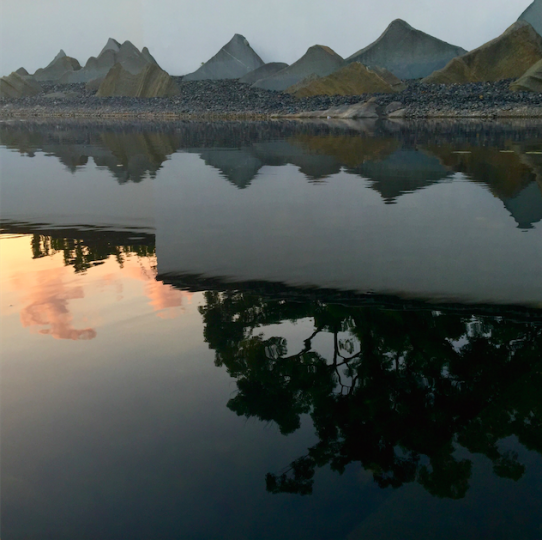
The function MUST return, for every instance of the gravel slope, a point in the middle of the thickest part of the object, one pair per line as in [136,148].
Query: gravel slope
[231,98]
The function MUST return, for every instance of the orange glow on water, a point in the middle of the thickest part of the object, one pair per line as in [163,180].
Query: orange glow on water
[52,300]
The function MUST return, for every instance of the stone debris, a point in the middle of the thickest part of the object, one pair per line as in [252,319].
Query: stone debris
[505,57]
[234,60]
[235,100]
[406,52]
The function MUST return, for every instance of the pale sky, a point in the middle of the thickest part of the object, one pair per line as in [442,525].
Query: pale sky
[181,34]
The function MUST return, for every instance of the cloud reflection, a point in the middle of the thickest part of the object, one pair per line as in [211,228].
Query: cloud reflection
[47,310]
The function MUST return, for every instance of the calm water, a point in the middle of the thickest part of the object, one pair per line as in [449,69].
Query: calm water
[264,331]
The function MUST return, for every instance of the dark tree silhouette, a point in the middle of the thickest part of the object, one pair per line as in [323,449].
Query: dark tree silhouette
[401,390]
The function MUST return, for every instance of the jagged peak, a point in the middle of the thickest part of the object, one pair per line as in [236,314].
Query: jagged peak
[239,37]
[111,45]
[61,54]
[128,46]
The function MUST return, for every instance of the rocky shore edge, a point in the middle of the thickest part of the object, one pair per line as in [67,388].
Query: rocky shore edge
[233,100]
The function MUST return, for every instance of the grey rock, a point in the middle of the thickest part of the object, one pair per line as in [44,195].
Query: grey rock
[399,113]
[318,60]
[533,15]
[406,52]
[393,107]
[263,72]
[61,95]
[233,61]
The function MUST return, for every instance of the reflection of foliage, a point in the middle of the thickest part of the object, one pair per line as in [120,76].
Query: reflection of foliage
[400,390]
[82,254]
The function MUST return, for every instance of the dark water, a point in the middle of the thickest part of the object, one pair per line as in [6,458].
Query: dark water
[263,331]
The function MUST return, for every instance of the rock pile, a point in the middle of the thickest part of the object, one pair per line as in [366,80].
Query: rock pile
[234,60]
[351,80]
[406,52]
[318,60]
[151,82]
[505,57]
[18,86]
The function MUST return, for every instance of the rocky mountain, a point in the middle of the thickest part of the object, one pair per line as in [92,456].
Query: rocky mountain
[318,60]
[263,72]
[17,86]
[530,81]
[234,60]
[127,55]
[406,52]
[351,80]
[150,82]
[60,69]
[505,57]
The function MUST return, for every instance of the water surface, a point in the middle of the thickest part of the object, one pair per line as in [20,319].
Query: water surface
[271,331]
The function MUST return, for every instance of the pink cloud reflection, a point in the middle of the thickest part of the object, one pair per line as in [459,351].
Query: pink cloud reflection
[48,307]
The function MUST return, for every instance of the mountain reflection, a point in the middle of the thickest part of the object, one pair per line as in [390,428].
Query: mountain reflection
[130,156]
[395,160]
[398,391]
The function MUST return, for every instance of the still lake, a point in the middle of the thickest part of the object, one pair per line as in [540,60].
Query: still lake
[324,331]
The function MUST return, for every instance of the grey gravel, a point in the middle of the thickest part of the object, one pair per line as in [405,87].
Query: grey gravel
[232,97]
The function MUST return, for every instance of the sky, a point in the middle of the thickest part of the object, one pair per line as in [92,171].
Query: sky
[181,34]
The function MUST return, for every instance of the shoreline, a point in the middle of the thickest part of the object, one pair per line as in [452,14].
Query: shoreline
[10,112]
[229,100]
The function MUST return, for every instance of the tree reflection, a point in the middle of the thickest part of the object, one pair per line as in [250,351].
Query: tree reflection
[82,254]
[399,392]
